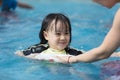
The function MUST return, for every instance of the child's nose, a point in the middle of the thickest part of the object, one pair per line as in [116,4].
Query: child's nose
[62,37]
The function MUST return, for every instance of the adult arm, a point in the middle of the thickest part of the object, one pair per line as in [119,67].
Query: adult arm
[107,3]
[108,46]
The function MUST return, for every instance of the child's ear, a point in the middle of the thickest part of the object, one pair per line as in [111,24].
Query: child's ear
[45,35]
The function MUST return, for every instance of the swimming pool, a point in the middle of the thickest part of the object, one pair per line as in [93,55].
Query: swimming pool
[19,30]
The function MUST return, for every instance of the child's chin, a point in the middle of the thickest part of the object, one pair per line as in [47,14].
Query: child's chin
[61,48]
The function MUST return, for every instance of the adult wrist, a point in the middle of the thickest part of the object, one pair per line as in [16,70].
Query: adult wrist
[68,60]
[71,59]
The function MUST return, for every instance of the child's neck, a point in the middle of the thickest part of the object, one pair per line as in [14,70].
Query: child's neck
[52,50]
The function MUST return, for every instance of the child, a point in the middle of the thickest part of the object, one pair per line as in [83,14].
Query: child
[55,35]
[10,5]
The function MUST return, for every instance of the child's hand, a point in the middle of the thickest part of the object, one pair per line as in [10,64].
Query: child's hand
[20,53]
[31,56]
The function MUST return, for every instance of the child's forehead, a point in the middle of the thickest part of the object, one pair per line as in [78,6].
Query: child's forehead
[56,22]
[58,25]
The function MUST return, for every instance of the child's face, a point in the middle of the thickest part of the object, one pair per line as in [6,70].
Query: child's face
[58,35]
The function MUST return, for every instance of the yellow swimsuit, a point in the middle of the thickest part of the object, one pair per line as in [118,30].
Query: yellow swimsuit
[51,50]
[50,54]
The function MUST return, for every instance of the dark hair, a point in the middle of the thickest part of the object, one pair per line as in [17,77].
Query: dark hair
[47,21]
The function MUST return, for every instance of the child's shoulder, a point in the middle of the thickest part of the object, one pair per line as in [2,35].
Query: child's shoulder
[37,48]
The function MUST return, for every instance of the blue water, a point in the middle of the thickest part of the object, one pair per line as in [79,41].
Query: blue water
[18,30]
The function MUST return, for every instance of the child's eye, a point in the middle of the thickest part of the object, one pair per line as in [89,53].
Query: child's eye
[67,33]
[58,34]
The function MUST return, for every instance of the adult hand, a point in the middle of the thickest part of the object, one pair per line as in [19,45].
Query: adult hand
[67,59]
[116,54]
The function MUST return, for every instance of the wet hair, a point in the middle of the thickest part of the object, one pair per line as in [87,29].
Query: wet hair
[47,22]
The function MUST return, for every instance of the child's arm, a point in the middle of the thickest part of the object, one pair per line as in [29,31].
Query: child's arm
[107,3]
[32,56]
[32,51]
[23,5]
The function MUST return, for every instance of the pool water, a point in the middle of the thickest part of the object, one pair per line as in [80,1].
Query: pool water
[18,30]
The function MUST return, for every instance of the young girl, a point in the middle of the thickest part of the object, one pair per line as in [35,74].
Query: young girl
[55,37]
